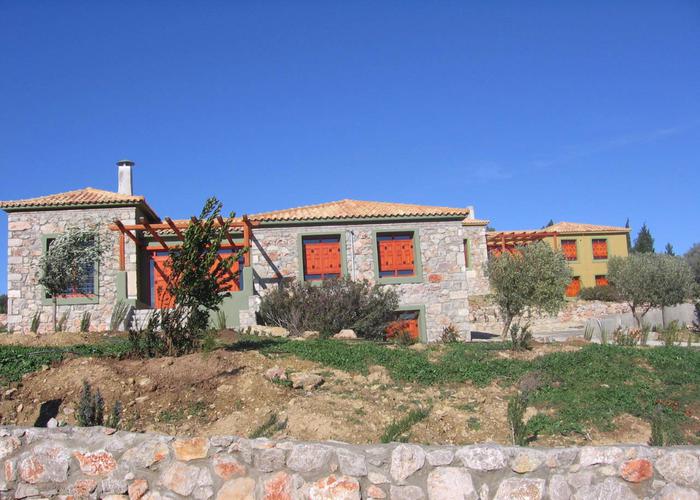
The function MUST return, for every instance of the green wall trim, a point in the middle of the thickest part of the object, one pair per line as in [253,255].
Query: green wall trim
[300,253]
[422,329]
[357,220]
[69,301]
[236,301]
[468,252]
[417,261]
[121,285]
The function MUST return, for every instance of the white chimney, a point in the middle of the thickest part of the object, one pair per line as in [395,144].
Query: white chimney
[472,214]
[125,177]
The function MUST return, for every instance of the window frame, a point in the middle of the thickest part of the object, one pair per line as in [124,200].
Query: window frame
[420,309]
[561,246]
[417,276]
[607,249]
[318,235]
[69,301]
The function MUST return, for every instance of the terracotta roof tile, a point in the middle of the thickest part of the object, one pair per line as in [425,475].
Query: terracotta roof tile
[351,209]
[576,227]
[80,197]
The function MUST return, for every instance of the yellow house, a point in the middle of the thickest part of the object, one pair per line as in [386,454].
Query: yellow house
[586,247]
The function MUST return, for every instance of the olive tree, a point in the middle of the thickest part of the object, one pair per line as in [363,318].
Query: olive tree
[532,278]
[198,279]
[647,280]
[693,258]
[69,260]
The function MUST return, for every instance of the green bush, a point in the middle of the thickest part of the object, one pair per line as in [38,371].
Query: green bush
[91,407]
[332,306]
[119,312]
[606,293]
[3,303]
[62,322]
[520,336]
[516,412]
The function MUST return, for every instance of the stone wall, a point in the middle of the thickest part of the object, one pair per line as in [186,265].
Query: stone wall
[485,318]
[444,290]
[100,463]
[478,282]
[25,248]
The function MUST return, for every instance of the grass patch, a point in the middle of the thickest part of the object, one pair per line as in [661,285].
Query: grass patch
[15,361]
[171,416]
[269,427]
[400,431]
[584,388]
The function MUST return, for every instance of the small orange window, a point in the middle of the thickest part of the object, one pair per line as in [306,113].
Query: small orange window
[574,287]
[601,280]
[600,249]
[395,253]
[568,247]
[321,258]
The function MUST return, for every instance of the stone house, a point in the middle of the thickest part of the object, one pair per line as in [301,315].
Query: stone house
[434,256]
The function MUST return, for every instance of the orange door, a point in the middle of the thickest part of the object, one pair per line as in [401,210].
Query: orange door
[161,278]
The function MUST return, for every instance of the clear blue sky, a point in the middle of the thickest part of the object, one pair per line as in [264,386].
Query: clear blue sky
[581,111]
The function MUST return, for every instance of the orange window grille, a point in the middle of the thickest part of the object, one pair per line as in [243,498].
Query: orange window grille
[395,255]
[321,258]
[568,247]
[601,280]
[600,249]
[574,287]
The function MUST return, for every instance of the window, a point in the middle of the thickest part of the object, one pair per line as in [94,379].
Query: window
[321,257]
[232,280]
[601,280]
[600,249]
[574,287]
[467,254]
[406,323]
[568,247]
[395,252]
[84,286]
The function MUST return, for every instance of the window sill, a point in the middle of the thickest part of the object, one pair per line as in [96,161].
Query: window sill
[399,280]
[72,301]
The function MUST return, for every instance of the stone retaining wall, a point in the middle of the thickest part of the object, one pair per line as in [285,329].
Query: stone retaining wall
[100,463]
[485,318]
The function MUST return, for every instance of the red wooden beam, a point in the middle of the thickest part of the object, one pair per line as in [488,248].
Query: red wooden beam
[154,233]
[221,222]
[122,252]
[127,232]
[175,229]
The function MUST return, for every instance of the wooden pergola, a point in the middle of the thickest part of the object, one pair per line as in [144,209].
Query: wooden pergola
[502,241]
[244,224]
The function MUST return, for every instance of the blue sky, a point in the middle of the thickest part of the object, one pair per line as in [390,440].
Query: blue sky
[581,111]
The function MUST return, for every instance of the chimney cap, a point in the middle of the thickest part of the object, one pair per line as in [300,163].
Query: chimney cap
[126,163]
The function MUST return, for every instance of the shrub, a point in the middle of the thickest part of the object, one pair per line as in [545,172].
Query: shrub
[606,293]
[61,325]
[664,431]
[450,334]
[115,416]
[119,312]
[85,322]
[36,321]
[670,333]
[516,412]
[3,303]
[627,337]
[520,336]
[399,431]
[332,306]
[220,320]
[91,407]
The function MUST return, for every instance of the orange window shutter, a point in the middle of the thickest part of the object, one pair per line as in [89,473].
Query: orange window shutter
[386,255]
[569,249]
[601,281]
[228,281]
[600,249]
[574,287]
[313,260]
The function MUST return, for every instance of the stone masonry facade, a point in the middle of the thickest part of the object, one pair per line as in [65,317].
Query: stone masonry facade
[445,286]
[26,232]
[95,462]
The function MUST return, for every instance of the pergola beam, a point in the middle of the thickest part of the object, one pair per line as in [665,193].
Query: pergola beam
[154,233]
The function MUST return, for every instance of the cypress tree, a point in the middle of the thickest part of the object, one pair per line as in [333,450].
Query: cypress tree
[644,242]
